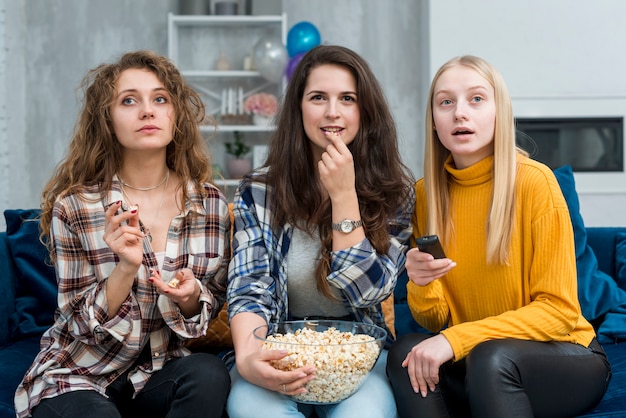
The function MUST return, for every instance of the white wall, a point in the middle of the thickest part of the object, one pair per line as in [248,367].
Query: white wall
[558,57]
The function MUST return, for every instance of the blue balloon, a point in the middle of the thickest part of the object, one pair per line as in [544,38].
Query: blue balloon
[302,37]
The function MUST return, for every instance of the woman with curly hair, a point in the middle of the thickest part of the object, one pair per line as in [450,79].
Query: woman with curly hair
[140,238]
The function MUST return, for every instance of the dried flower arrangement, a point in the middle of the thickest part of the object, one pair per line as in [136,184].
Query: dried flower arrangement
[263,104]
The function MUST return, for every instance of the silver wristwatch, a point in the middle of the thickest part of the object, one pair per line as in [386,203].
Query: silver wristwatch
[346,226]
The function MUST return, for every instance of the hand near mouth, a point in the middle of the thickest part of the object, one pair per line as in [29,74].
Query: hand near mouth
[336,168]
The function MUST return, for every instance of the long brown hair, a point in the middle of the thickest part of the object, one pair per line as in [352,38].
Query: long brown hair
[382,181]
[95,155]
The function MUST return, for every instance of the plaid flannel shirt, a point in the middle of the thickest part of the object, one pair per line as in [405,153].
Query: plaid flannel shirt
[257,278]
[86,350]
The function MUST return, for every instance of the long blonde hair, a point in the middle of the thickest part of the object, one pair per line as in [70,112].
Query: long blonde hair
[499,225]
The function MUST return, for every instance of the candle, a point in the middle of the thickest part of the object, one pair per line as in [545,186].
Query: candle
[240,101]
[231,101]
[223,101]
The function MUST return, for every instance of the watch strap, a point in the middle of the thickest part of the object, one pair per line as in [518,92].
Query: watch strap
[353,225]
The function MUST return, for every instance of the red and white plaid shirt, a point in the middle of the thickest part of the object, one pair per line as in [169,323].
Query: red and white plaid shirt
[86,350]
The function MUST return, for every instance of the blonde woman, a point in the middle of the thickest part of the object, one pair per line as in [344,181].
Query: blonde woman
[509,339]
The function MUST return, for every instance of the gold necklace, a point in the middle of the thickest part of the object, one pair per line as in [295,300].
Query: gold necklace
[147,229]
[145,189]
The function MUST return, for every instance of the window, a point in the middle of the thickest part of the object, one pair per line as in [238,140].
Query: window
[592,145]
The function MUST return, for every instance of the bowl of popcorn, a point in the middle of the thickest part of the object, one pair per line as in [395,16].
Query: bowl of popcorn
[343,353]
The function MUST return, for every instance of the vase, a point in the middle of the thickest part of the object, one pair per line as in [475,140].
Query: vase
[261,120]
[238,167]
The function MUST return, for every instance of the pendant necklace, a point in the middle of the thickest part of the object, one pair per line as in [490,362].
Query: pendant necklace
[143,189]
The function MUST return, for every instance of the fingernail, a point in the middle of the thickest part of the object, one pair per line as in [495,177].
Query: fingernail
[423,394]
[119,202]
[133,211]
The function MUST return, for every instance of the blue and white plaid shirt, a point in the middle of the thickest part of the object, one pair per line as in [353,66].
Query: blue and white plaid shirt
[257,278]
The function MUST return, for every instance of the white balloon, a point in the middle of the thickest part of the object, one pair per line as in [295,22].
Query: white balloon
[270,58]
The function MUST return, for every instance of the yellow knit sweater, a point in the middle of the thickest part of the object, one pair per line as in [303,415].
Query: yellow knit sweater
[534,297]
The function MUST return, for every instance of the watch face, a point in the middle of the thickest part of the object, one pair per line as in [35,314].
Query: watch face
[346,226]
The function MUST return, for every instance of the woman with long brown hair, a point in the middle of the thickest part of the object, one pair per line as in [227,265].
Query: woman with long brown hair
[320,231]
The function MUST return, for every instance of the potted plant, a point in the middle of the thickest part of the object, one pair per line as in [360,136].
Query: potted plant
[238,165]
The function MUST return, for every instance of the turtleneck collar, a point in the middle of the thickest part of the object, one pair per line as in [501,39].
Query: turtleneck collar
[479,173]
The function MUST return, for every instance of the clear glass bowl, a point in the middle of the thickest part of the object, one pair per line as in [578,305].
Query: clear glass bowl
[343,353]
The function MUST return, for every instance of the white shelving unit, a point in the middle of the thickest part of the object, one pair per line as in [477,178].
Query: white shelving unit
[195,44]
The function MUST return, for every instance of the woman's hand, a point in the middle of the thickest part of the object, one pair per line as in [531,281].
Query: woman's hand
[422,268]
[424,360]
[123,235]
[336,168]
[183,290]
[256,369]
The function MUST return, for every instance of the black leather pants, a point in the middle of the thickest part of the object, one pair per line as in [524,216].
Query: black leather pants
[506,378]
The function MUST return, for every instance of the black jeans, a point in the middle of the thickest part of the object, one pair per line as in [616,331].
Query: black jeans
[505,378]
[192,386]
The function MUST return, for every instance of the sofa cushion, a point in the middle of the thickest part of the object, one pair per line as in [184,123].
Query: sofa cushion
[36,287]
[600,297]
[15,359]
[620,260]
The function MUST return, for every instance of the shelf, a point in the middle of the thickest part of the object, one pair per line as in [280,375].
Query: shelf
[220,74]
[240,128]
[226,20]
[196,43]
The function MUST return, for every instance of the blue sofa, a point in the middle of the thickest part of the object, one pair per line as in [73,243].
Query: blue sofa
[28,298]
[601,268]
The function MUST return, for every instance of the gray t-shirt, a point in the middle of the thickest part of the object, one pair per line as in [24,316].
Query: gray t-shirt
[304,298]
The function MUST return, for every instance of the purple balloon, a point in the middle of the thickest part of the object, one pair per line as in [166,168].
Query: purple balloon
[292,64]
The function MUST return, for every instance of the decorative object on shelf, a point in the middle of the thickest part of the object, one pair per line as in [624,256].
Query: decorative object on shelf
[226,7]
[261,120]
[232,110]
[238,166]
[262,106]
[302,37]
[222,63]
[270,58]
[194,7]
[293,63]
[248,64]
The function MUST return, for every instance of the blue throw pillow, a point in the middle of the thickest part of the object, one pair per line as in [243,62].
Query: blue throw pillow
[36,289]
[620,260]
[598,293]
